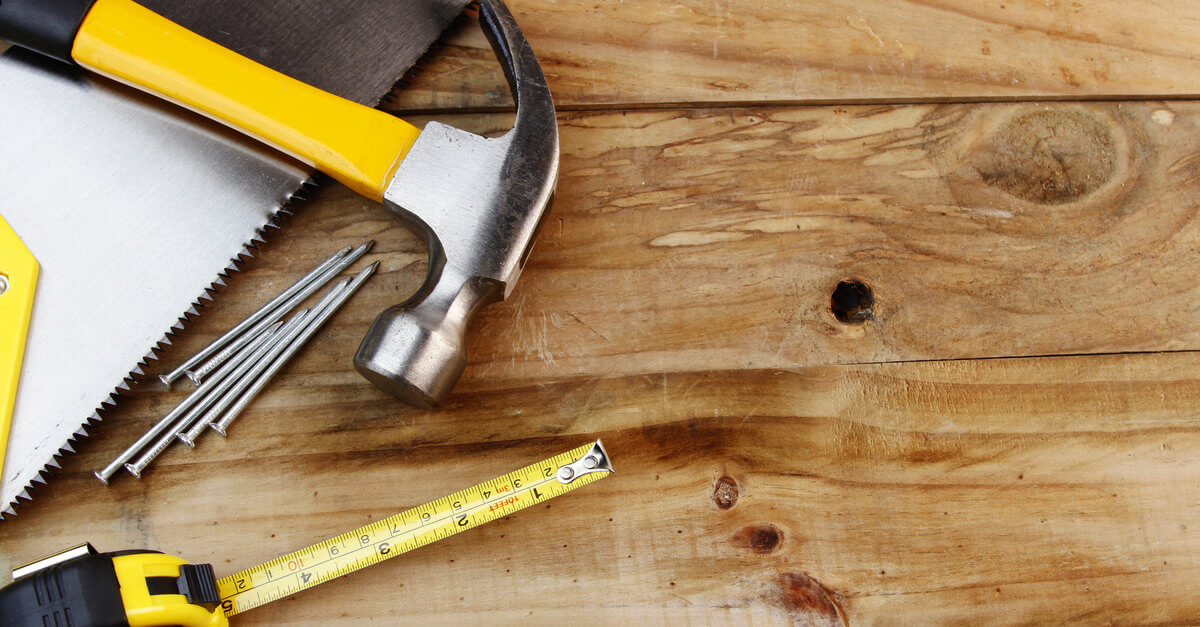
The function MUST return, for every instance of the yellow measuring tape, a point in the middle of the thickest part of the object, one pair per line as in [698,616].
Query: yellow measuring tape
[417,527]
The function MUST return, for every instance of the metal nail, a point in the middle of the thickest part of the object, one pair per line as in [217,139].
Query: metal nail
[108,471]
[164,440]
[243,380]
[304,293]
[314,324]
[254,319]
[278,337]
[197,376]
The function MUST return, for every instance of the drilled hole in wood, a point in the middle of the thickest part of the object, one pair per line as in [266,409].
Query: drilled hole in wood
[852,302]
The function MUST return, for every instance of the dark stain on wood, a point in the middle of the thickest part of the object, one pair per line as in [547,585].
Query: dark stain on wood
[725,492]
[762,538]
[807,601]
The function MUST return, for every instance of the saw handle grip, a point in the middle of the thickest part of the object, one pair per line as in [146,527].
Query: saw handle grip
[120,39]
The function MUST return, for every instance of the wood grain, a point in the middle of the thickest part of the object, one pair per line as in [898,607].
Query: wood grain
[1017,490]
[671,305]
[683,245]
[656,52]
[714,238]
[775,464]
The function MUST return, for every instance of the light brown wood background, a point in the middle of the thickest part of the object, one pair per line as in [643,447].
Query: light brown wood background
[1011,437]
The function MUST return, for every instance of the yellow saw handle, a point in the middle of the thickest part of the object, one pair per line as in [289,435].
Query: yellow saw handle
[357,145]
[18,280]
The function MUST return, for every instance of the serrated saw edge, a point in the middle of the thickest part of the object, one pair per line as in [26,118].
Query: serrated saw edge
[137,373]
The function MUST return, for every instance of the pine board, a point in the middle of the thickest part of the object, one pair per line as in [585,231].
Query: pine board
[1007,436]
[1025,490]
[670,52]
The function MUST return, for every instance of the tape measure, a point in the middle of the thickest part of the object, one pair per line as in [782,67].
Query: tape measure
[421,525]
[155,589]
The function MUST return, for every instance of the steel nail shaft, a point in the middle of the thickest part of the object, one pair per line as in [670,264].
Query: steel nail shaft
[164,440]
[306,291]
[231,350]
[170,377]
[108,471]
[239,382]
[314,324]
[263,353]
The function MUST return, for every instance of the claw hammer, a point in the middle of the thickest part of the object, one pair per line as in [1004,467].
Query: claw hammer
[477,201]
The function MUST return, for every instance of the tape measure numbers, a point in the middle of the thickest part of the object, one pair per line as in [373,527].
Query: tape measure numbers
[414,528]
[147,588]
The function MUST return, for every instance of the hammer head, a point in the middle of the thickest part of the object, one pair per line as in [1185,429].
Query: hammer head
[478,202]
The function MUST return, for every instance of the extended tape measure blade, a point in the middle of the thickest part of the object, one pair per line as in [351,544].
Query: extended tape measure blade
[413,528]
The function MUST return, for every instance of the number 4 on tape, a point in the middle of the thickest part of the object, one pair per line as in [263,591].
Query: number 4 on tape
[417,527]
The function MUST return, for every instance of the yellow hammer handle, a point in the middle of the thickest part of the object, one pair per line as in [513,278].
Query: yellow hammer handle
[355,144]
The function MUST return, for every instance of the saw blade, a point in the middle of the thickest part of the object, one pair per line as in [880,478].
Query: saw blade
[136,208]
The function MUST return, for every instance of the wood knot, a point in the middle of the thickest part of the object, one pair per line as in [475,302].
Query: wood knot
[725,492]
[763,538]
[1049,157]
[852,302]
[807,601]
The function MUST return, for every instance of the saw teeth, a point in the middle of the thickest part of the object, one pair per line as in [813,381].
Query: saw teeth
[193,311]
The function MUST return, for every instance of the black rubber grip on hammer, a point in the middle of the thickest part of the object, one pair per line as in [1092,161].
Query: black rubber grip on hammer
[45,26]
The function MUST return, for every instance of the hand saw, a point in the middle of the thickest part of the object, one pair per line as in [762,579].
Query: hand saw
[135,209]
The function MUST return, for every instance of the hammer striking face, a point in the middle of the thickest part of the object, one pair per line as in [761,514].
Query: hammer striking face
[477,201]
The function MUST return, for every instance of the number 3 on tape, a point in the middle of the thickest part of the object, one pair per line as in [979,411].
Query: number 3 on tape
[417,527]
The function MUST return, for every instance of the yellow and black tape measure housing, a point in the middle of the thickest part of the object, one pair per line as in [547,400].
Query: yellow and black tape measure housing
[139,588]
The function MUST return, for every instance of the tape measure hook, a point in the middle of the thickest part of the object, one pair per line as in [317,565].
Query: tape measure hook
[595,460]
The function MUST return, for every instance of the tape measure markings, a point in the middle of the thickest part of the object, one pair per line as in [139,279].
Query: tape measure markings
[408,530]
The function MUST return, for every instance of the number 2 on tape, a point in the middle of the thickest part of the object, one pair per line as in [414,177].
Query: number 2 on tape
[410,529]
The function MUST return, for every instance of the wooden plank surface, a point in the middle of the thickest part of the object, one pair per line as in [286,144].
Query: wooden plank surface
[715,238]
[1015,490]
[655,52]
[924,461]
